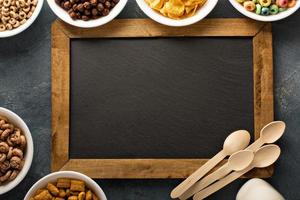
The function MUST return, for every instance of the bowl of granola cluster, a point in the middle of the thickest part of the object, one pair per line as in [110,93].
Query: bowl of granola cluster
[68,185]
[16,150]
[17,15]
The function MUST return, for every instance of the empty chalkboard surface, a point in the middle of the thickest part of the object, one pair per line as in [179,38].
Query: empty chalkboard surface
[153,101]
[158,98]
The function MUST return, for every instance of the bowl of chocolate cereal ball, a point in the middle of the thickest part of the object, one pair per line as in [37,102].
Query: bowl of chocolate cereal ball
[17,15]
[87,13]
[16,150]
[266,10]
[67,185]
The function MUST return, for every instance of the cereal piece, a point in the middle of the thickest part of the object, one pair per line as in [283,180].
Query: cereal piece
[5,177]
[62,193]
[95,197]
[2,157]
[13,175]
[63,183]
[74,193]
[265,3]
[39,191]
[52,189]
[4,147]
[16,162]
[5,133]
[2,27]
[291,3]
[89,195]
[22,15]
[6,3]
[12,21]
[81,196]
[2,117]
[249,5]
[73,198]
[59,198]
[77,185]
[26,9]
[68,192]
[44,195]
[23,21]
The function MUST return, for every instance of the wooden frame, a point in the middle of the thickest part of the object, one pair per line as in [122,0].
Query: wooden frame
[153,168]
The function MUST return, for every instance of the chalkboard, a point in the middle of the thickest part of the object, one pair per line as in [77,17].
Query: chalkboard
[145,100]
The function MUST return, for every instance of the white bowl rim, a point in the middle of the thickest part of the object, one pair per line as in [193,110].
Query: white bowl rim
[63,15]
[269,18]
[28,156]
[88,181]
[23,27]
[200,14]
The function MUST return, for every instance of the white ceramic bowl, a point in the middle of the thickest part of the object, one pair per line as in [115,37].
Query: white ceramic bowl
[63,15]
[18,122]
[199,15]
[269,18]
[21,28]
[66,174]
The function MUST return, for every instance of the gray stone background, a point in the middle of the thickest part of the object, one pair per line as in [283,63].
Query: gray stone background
[25,88]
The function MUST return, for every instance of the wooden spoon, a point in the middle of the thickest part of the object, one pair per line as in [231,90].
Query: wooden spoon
[236,141]
[236,162]
[264,157]
[268,134]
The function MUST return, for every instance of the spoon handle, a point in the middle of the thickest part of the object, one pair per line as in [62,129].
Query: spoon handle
[255,145]
[206,181]
[221,183]
[197,175]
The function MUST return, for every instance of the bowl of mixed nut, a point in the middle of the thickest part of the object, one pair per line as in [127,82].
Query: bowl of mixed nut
[87,13]
[17,15]
[67,185]
[16,150]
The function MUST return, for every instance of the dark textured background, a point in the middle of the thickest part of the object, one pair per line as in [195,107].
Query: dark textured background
[158,98]
[25,89]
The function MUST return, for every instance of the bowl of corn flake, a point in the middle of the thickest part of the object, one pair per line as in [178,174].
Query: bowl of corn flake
[68,185]
[177,12]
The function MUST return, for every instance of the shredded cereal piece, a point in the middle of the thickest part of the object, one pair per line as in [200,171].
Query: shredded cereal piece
[44,195]
[63,183]
[77,185]
[73,198]
[62,193]
[81,196]
[89,195]
[52,189]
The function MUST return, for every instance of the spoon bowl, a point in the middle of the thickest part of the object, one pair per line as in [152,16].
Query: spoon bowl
[266,156]
[240,160]
[272,132]
[236,141]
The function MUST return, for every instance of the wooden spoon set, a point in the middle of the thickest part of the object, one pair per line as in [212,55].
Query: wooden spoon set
[242,159]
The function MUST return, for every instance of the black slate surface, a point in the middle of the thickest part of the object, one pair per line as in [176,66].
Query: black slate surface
[158,98]
[25,88]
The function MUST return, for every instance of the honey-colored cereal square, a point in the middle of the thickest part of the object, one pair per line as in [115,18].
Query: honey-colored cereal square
[77,185]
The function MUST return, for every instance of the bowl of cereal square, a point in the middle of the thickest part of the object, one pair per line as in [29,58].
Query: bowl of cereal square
[17,15]
[69,185]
